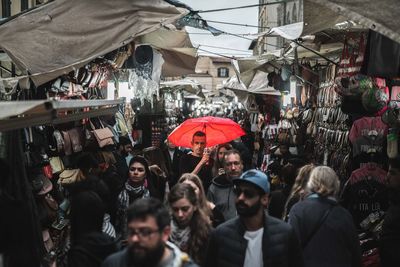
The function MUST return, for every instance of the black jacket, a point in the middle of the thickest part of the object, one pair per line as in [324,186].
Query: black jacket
[335,243]
[390,239]
[280,247]
[91,250]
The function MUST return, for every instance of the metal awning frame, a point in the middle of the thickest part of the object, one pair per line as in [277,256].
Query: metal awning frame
[51,112]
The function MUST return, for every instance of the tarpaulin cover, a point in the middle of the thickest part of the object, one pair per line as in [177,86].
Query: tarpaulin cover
[379,15]
[176,48]
[53,39]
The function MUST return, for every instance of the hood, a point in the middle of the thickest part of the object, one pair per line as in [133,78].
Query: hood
[222,181]
[180,258]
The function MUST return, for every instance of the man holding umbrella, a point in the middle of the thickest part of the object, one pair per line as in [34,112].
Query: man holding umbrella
[199,161]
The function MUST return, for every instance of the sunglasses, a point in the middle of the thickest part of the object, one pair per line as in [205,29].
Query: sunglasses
[248,193]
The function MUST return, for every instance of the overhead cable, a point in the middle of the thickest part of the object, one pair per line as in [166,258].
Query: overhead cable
[239,7]
[237,24]
[227,48]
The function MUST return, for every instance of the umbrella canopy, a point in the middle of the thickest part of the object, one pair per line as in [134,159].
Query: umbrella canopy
[217,130]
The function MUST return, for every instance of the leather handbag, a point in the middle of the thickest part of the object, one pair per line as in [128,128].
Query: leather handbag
[56,165]
[104,136]
[68,177]
[67,143]
[75,136]
[59,141]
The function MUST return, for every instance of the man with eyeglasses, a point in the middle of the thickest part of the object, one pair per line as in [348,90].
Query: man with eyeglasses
[148,233]
[254,238]
[220,192]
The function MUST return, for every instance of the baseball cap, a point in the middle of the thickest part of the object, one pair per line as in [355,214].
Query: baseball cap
[254,177]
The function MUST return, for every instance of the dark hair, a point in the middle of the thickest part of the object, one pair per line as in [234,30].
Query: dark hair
[199,133]
[143,161]
[199,224]
[144,207]
[288,173]
[123,141]
[233,152]
[87,214]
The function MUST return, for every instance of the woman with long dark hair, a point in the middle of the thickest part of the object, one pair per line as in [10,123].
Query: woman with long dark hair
[190,227]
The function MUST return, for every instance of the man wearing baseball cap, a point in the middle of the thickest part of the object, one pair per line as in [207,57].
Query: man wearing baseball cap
[253,239]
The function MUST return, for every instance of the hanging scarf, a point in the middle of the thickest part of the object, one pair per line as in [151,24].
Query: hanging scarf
[126,197]
[179,236]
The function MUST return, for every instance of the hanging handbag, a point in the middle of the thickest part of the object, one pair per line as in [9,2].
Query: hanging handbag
[56,165]
[68,177]
[104,136]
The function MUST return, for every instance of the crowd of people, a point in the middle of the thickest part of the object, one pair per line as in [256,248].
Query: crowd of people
[204,207]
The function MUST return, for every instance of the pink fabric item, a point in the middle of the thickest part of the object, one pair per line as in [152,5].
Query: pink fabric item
[364,126]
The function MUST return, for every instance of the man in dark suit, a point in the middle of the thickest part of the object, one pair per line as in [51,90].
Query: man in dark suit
[172,155]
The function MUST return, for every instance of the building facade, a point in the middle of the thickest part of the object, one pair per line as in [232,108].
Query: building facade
[212,71]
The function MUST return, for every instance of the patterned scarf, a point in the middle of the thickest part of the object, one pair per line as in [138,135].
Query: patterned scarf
[179,236]
[126,197]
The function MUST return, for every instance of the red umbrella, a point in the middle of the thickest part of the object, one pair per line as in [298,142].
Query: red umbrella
[217,130]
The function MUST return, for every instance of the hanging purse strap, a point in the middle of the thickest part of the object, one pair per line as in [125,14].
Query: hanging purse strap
[318,226]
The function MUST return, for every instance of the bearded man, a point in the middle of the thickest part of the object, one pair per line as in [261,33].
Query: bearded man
[253,239]
[148,232]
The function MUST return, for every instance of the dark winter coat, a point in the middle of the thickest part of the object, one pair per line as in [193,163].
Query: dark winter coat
[91,249]
[335,243]
[390,239]
[280,247]
[220,193]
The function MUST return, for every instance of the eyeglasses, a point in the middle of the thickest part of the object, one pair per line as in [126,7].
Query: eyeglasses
[142,232]
[248,193]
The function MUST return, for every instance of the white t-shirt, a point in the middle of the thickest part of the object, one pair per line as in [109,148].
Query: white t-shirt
[254,255]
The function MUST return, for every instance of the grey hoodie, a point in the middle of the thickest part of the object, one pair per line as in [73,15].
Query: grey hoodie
[180,259]
[220,193]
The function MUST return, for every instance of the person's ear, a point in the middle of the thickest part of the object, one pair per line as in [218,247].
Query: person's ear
[166,232]
[265,200]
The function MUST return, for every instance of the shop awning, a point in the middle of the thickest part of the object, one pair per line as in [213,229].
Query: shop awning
[319,15]
[187,85]
[176,48]
[22,114]
[259,85]
[379,15]
[57,37]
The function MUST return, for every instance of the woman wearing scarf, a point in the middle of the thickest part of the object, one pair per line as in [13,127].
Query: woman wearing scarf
[138,185]
[190,227]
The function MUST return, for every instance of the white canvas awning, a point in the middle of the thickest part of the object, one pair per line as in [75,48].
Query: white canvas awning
[259,85]
[55,38]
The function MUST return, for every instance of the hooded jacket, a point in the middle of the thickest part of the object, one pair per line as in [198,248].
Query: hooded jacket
[91,249]
[221,194]
[120,259]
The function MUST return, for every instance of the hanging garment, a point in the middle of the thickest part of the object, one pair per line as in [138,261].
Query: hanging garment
[365,192]
[382,57]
